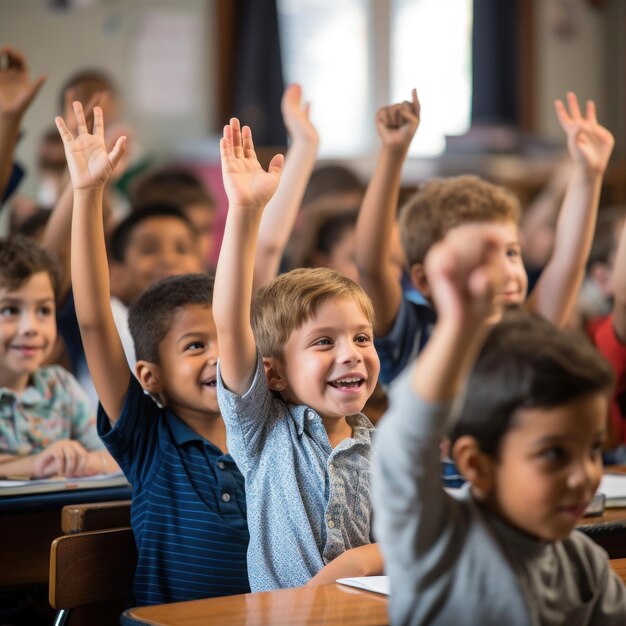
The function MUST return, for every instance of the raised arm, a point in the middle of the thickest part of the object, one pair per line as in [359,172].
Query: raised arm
[90,167]
[590,146]
[619,288]
[249,188]
[56,236]
[396,125]
[17,91]
[281,211]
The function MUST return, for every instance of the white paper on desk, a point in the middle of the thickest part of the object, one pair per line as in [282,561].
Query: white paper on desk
[378,584]
[60,480]
[613,486]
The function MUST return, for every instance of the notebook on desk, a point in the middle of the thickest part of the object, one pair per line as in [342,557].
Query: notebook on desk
[377,584]
[613,486]
[10,487]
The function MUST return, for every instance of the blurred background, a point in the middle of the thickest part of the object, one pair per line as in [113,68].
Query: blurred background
[487,73]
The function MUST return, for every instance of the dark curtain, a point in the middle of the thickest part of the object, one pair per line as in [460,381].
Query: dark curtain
[258,78]
[495,62]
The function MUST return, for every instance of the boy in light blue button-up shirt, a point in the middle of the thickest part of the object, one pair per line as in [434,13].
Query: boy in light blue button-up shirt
[293,376]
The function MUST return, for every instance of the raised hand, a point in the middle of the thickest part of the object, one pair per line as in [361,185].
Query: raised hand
[296,115]
[589,143]
[89,163]
[246,183]
[466,271]
[396,124]
[17,90]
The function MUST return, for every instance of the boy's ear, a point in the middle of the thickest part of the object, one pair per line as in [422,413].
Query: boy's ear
[149,376]
[477,467]
[274,373]
[419,279]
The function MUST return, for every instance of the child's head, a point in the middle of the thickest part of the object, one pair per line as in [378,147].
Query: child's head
[326,238]
[313,328]
[83,85]
[442,204]
[595,298]
[28,283]
[530,435]
[175,340]
[154,241]
[334,183]
[180,186]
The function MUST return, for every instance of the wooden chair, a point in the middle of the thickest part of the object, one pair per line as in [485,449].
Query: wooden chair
[78,518]
[91,574]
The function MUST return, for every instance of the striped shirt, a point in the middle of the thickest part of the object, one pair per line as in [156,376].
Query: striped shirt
[188,512]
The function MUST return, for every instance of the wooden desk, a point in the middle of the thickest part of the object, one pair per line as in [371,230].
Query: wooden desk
[619,567]
[29,523]
[330,605]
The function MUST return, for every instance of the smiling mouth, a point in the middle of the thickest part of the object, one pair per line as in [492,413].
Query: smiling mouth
[211,383]
[351,383]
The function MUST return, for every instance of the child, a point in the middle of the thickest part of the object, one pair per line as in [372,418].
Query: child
[17,91]
[609,335]
[46,424]
[188,513]
[178,185]
[529,442]
[402,327]
[292,405]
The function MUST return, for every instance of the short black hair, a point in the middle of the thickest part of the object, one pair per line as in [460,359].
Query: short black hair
[21,258]
[121,236]
[527,363]
[333,229]
[175,184]
[150,316]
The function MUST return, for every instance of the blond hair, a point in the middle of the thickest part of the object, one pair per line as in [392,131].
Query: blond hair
[441,204]
[292,299]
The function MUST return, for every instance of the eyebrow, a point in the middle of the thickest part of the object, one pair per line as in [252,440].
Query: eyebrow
[552,439]
[193,333]
[13,300]
[328,330]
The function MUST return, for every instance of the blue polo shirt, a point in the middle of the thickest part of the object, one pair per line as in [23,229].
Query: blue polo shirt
[411,330]
[188,511]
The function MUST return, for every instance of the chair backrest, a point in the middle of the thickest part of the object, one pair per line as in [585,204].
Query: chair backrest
[91,567]
[77,518]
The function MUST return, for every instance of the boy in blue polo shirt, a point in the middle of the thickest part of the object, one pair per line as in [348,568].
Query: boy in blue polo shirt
[188,513]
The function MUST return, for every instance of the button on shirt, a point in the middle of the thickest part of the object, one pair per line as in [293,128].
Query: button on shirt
[307,502]
[52,407]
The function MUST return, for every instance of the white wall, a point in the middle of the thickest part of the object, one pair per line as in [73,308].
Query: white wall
[103,33]
[576,63]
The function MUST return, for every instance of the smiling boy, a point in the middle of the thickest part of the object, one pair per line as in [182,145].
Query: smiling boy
[188,513]
[46,424]
[528,440]
[296,367]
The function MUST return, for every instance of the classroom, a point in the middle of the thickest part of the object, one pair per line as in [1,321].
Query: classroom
[312,312]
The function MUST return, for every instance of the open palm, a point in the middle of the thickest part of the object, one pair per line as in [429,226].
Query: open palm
[16,89]
[246,183]
[589,143]
[89,163]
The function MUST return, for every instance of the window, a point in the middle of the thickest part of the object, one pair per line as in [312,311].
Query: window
[355,55]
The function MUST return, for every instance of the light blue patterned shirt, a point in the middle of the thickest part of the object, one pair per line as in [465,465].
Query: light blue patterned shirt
[54,406]
[307,502]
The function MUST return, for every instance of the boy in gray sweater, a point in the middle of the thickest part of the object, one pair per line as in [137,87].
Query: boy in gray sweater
[529,442]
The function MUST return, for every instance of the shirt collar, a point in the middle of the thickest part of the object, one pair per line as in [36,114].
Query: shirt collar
[35,393]
[182,433]
[301,414]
